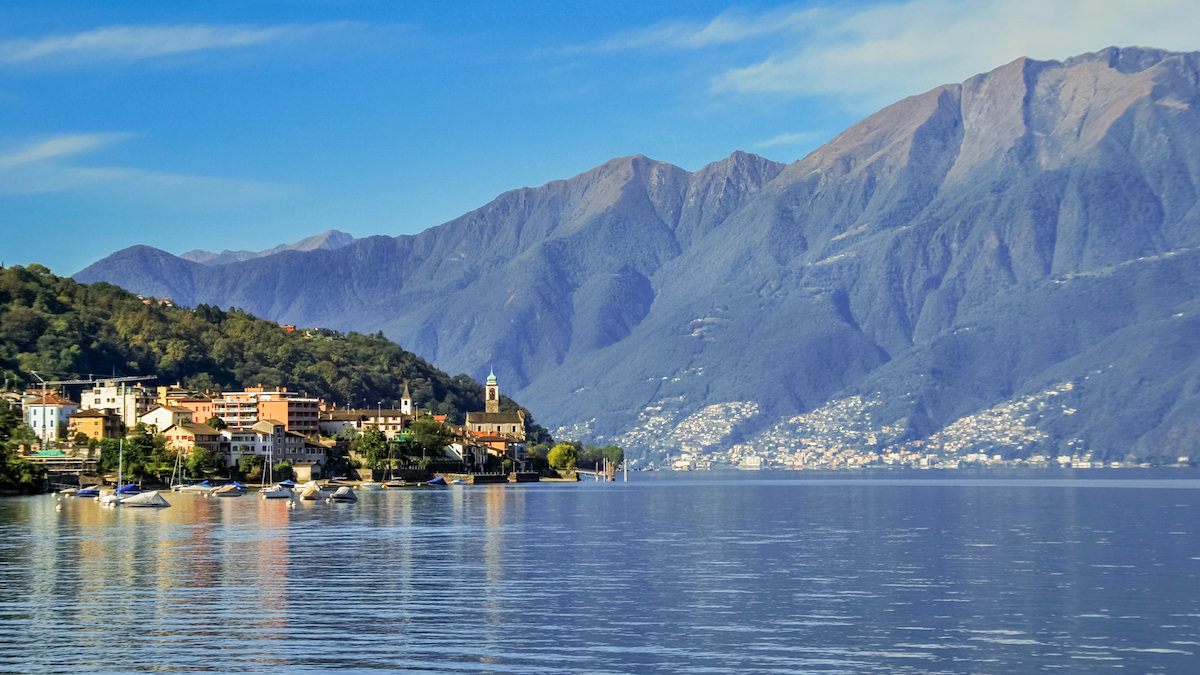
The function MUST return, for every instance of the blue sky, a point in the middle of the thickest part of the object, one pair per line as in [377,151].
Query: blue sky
[246,124]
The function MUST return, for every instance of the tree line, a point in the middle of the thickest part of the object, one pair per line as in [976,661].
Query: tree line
[67,330]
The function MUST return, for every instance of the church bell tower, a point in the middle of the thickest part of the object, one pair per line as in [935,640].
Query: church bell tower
[493,394]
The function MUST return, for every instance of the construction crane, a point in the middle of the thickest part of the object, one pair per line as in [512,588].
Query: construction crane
[93,381]
[113,380]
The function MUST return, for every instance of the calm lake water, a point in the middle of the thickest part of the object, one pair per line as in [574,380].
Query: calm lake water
[895,572]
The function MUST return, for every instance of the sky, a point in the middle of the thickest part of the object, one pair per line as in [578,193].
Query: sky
[246,124]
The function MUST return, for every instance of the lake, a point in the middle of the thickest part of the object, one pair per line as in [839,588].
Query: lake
[984,571]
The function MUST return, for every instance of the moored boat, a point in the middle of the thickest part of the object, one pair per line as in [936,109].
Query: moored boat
[278,491]
[230,490]
[370,485]
[146,499]
[203,487]
[311,491]
[343,494]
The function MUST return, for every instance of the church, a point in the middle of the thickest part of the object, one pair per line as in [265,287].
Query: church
[503,433]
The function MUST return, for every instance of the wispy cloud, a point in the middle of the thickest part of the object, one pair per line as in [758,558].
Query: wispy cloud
[58,146]
[873,54]
[144,42]
[42,167]
[792,139]
[887,51]
[731,26]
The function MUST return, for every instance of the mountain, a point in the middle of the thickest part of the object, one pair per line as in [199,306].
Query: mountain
[1030,230]
[330,240]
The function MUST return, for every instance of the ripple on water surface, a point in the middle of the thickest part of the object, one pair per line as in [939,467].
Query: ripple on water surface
[677,575]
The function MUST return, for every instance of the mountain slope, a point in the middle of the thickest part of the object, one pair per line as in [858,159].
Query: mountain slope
[629,298]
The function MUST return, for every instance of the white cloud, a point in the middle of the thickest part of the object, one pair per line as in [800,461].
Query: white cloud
[792,139]
[731,26]
[143,42]
[39,168]
[58,146]
[886,51]
[876,53]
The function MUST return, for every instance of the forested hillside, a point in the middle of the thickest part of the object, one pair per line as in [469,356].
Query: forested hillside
[63,329]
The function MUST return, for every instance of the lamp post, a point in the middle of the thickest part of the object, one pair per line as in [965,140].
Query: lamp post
[42,436]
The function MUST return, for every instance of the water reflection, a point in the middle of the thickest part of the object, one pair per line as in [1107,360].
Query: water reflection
[666,575]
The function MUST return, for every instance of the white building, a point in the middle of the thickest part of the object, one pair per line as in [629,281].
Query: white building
[129,402]
[44,412]
[273,442]
[161,417]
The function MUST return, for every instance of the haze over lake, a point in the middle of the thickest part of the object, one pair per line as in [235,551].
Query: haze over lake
[897,572]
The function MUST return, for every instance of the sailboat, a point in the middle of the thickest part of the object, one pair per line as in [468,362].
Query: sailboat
[392,481]
[113,498]
[281,490]
[146,499]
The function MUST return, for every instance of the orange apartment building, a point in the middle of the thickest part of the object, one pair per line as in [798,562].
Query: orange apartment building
[200,405]
[98,424]
[245,408]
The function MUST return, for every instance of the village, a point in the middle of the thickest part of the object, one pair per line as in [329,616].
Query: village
[273,424]
[845,434]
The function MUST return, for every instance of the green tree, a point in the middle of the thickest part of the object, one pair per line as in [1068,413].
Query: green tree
[429,436]
[283,471]
[216,423]
[252,466]
[133,455]
[111,452]
[81,440]
[16,472]
[372,446]
[614,454]
[201,461]
[563,456]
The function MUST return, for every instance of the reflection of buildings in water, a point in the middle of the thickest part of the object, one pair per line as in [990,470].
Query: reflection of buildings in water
[47,559]
[499,502]
[503,505]
[112,564]
[496,497]
[270,571]
[196,564]
[493,555]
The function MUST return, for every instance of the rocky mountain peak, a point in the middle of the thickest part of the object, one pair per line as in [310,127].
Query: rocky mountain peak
[1031,225]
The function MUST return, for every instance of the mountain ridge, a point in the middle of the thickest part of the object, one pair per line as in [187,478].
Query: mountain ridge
[328,240]
[638,285]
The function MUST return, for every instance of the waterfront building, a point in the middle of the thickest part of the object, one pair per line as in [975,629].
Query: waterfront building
[44,412]
[503,433]
[244,408]
[164,416]
[97,424]
[271,440]
[392,423]
[128,401]
[185,436]
[201,406]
